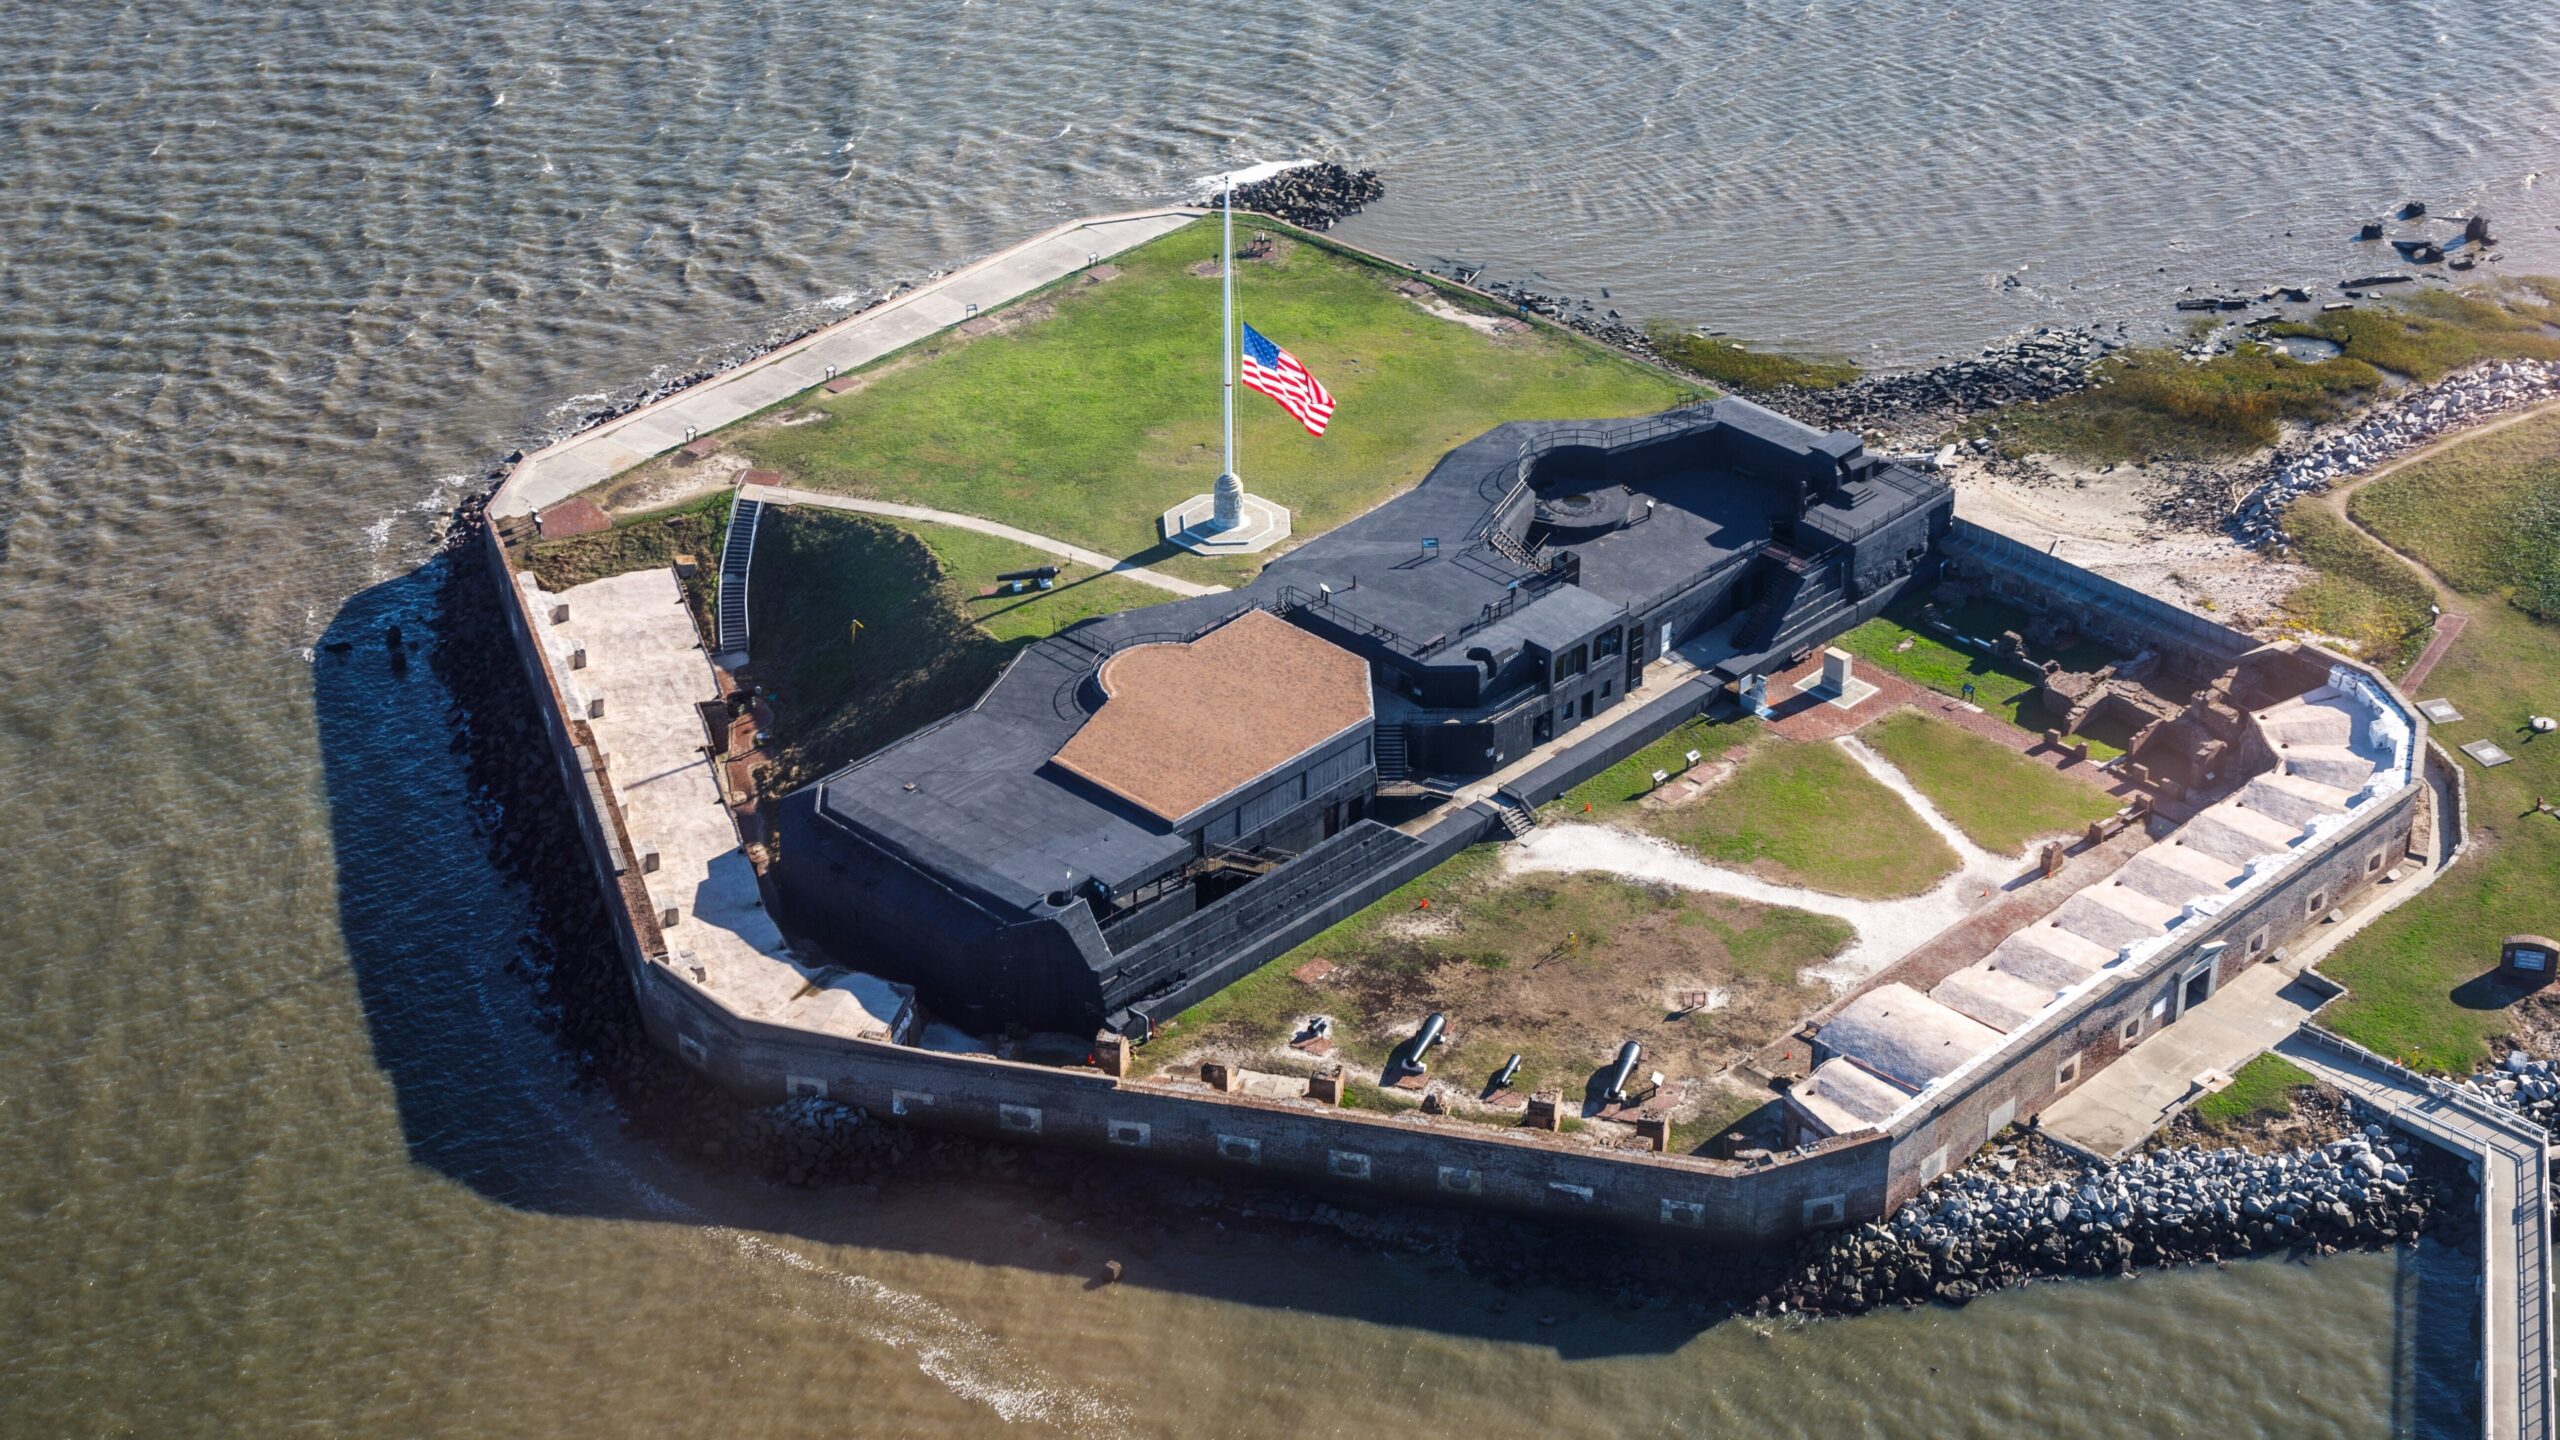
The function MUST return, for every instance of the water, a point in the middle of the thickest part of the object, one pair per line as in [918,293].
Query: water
[285,1145]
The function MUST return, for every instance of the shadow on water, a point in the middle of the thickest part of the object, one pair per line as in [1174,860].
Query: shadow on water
[497,1010]
[2435,1389]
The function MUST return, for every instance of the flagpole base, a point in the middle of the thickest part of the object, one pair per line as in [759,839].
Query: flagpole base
[1258,525]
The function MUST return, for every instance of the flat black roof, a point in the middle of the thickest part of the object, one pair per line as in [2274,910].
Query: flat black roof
[974,798]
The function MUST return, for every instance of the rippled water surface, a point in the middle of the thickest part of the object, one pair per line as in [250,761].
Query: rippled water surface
[274,279]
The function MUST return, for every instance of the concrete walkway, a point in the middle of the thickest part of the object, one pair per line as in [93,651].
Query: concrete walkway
[2509,1155]
[1095,559]
[559,471]
[2118,1108]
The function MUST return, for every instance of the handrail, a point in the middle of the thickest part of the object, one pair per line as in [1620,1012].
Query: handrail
[1294,599]
[2529,1216]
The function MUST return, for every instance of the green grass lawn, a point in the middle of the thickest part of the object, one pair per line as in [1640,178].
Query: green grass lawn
[2264,1086]
[1099,410]
[970,562]
[1927,658]
[1999,798]
[1559,969]
[1630,780]
[1808,815]
[2417,976]
[2485,516]
[2152,404]
[2363,594]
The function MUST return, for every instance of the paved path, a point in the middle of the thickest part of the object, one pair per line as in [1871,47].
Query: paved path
[559,471]
[2508,1153]
[2118,1108]
[2448,629]
[785,495]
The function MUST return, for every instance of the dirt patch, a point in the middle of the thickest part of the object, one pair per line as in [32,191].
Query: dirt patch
[668,481]
[1419,924]
[2099,518]
[2533,1023]
[1567,1007]
[1492,325]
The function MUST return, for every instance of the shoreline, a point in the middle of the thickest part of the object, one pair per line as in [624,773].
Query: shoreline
[808,1143]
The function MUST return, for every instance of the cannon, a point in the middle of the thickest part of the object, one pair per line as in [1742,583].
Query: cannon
[1426,1037]
[1624,1066]
[1510,1068]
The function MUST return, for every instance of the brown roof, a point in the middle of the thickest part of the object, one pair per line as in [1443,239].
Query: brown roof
[1185,725]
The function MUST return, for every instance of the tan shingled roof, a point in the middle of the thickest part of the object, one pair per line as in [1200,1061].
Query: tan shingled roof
[1186,725]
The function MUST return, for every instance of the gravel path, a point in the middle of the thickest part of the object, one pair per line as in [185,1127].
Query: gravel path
[1887,929]
[785,495]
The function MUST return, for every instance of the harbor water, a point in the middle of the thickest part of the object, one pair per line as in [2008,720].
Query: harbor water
[287,1141]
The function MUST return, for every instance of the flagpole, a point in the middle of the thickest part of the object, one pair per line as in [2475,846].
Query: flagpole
[1227,319]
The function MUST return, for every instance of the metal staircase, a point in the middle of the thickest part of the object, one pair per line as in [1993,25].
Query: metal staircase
[1515,814]
[735,554]
[1509,547]
[1388,751]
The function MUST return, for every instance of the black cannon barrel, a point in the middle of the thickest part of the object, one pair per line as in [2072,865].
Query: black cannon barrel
[1628,1055]
[1045,572]
[1426,1037]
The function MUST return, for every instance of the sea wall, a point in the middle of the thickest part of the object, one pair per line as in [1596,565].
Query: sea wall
[1436,1160]
[2117,614]
[1350,1152]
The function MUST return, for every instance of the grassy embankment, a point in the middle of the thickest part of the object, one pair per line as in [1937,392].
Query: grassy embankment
[1736,366]
[2156,404]
[2419,975]
[926,647]
[642,542]
[1092,406]
[2362,593]
[1999,798]
[2266,1086]
[1556,968]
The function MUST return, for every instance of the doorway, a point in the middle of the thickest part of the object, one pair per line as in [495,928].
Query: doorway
[2193,989]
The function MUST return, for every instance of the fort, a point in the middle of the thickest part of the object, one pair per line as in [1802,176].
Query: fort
[992,923]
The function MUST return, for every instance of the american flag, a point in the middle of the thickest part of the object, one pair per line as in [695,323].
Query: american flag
[1276,373]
